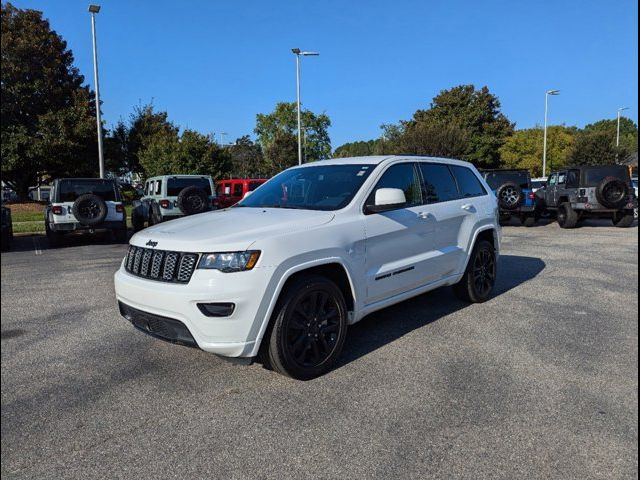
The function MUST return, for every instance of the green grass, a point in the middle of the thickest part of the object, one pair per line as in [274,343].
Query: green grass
[28,227]
[27,216]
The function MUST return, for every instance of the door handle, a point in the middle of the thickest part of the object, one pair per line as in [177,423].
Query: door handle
[469,207]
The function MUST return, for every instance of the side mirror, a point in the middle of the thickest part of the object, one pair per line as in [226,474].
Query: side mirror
[387,199]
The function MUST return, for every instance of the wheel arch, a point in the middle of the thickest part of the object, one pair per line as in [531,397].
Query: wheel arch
[333,268]
[489,233]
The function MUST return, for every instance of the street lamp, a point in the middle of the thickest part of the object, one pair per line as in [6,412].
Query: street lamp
[620,110]
[222,134]
[546,121]
[297,52]
[93,9]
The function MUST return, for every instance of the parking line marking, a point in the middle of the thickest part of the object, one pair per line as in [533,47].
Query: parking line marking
[36,246]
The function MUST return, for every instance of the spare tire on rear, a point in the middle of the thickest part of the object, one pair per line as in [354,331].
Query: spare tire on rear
[612,192]
[192,200]
[510,196]
[89,209]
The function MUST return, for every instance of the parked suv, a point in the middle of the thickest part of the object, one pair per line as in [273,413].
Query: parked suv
[230,192]
[84,205]
[515,195]
[597,192]
[318,247]
[172,196]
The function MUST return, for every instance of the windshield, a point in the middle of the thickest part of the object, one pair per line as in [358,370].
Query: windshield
[326,187]
[497,179]
[593,176]
[70,190]
[175,185]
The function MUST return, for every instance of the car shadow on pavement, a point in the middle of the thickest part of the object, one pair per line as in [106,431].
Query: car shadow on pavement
[27,243]
[386,326]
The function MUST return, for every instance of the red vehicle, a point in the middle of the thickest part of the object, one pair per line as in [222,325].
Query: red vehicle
[229,192]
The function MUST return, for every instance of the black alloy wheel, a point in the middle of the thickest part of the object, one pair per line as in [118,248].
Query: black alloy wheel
[308,330]
[484,272]
[312,329]
[479,279]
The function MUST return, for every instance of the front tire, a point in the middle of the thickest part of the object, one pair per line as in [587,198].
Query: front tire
[479,278]
[567,216]
[309,329]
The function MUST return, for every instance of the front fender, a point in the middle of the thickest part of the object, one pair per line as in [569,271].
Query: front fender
[279,278]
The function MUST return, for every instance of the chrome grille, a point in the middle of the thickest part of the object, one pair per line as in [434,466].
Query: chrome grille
[160,265]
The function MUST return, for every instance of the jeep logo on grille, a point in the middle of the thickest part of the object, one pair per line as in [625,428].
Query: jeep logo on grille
[151,244]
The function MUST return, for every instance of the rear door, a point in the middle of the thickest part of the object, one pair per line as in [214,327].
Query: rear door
[444,208]
[398,242]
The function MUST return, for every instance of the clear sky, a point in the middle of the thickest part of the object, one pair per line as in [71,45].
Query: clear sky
[214,64]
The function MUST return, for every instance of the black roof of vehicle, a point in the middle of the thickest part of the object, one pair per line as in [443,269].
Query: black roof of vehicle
[75,179]
[588,167]
[498,170]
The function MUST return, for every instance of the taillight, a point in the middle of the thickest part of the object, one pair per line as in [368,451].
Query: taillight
[119,208]
[164,203]
[531,195]
[57,210]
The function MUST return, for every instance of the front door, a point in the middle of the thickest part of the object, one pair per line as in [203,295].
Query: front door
[399,241]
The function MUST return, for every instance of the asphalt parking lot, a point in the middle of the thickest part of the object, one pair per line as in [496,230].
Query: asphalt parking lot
[539,382]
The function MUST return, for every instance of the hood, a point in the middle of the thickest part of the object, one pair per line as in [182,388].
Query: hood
[233,229]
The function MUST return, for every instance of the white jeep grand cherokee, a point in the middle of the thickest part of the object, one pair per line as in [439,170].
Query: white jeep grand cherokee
[316,248]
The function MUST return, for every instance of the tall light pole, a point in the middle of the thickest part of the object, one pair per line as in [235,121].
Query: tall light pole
[93,9]
[620,110]
[546,124]
[222,134]
[298,53]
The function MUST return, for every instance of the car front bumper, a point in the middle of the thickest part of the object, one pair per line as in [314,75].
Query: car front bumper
[232,336]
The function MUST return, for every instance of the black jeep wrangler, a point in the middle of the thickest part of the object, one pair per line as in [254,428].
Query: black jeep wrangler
[590,192]
[515,196]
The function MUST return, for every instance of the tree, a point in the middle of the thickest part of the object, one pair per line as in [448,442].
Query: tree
[596,148]
[191,153]
[461,122]
[524,148]
[434,139]
[281,153]
[355,149]
[246,158]
[628,132]
[47,115]
[281,124]
[128,139]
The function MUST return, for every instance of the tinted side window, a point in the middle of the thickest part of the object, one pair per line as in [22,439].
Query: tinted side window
[468,183]
[237,190]
[439,185]
[573,179]
[404,177]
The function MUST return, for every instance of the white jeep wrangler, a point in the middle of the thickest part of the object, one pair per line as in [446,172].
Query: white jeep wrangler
[84,205]
[282,273]
[167,197]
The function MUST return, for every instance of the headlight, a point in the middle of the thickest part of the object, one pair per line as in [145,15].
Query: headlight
[229,261]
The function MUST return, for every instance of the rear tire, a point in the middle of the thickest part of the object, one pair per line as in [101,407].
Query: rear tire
[54,238]
[623,219]
[137,221]
[567,216]
[478,281]
[309,328]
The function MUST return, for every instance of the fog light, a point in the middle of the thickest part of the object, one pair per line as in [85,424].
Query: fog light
[217,309]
